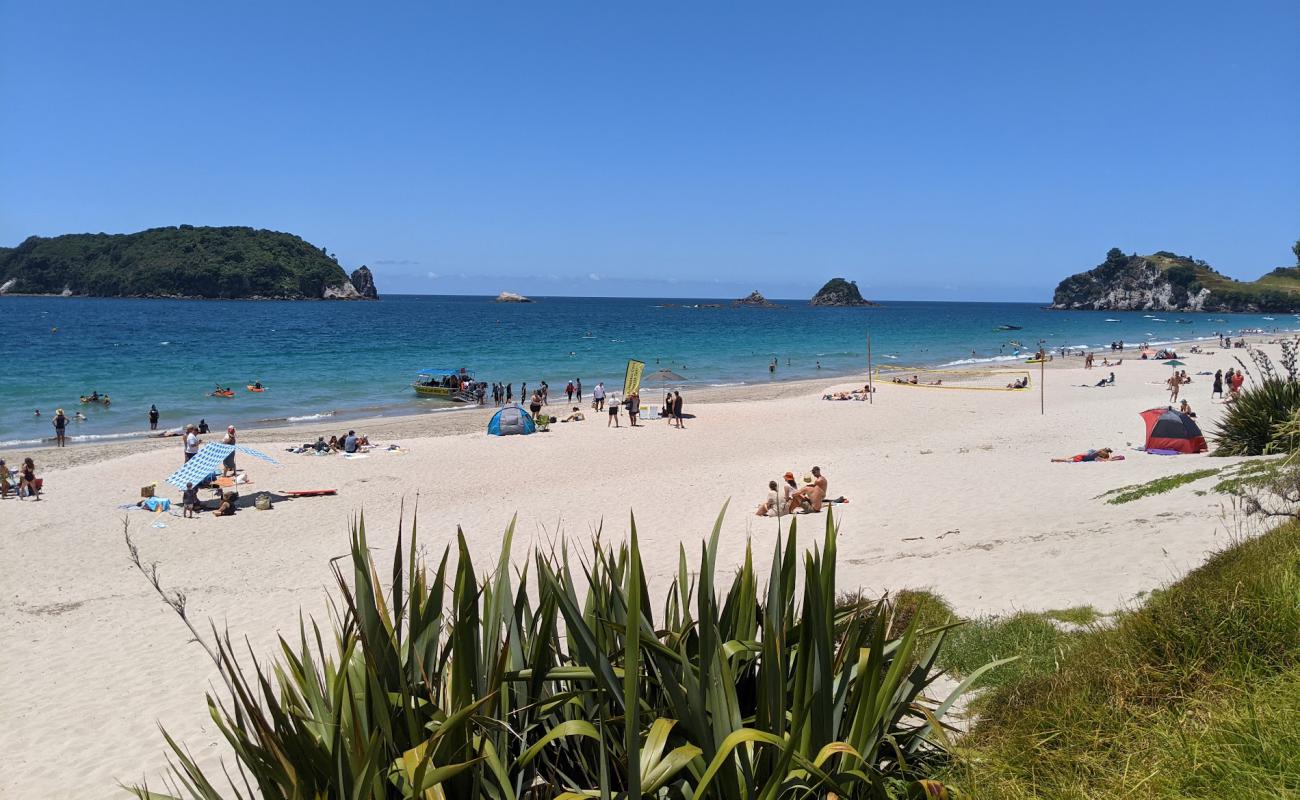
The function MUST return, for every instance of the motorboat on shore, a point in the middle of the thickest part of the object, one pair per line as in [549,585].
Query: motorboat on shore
[455,385]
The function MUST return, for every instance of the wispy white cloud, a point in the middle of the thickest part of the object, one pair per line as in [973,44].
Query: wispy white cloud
[396,262]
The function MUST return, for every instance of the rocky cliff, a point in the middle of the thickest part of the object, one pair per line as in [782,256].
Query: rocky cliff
[1165,281]
[839,292]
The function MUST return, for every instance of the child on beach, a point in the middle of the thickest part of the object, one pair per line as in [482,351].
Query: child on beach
[613,412]
[189,500]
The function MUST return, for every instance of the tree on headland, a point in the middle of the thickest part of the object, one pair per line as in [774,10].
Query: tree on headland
[1295,248]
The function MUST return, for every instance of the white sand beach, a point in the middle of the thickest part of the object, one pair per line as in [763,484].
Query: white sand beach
[947,489]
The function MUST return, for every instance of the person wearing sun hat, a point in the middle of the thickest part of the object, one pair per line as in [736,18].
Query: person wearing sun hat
[60,428]
[788,488]
[228,463]
[812,495]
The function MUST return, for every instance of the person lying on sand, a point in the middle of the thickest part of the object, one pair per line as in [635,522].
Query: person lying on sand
[575,416]
[1104,454]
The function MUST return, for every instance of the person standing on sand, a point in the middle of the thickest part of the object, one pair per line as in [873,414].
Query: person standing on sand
[598,397]
[510,392]
[60,428]
[191,442]
[568,391]
[677,410]
[1218,385]
[613,411]
[546,391]
[577,389]
[634,407]
[523,390]
[1174,385]
[535,403]
[153,417]
[228,463]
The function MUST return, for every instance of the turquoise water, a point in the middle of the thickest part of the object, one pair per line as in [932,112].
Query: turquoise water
[352,359]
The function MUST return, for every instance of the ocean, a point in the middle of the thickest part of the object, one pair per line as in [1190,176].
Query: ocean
[336,359]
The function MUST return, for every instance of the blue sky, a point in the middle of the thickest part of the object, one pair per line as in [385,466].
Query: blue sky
[967,151]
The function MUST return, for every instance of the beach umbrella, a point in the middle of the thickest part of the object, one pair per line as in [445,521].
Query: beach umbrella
[662,377]
[207,462]
[1173,362]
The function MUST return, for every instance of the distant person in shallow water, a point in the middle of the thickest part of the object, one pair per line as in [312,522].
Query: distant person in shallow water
[153,417]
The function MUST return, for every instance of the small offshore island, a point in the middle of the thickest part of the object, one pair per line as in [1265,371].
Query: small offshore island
[185,261]
[841,292]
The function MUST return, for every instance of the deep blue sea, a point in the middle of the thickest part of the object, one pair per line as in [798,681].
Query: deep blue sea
[352,359]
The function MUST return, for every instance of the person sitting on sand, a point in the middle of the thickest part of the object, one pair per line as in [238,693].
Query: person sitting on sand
[226,508]
[350,442]
[812,495]
[321,445]
[190,501]
[334,445]
[788,489]
[1107,381]
[575,416]
[1104,454]
[913,380]
[1186,408]
[27,480]
[772,503]
[4,479]
[363,441]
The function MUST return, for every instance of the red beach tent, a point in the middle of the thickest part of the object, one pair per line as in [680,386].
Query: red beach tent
[1169,429]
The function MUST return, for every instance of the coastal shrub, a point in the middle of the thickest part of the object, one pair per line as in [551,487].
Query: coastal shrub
[1255,423]
[1192,695]
[564,679]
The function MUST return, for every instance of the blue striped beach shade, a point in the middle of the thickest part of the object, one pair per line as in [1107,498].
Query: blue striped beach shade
[207,462]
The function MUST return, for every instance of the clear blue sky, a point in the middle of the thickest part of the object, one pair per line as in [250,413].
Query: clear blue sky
[976,151]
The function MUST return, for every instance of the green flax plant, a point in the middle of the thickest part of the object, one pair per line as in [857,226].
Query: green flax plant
[446,684]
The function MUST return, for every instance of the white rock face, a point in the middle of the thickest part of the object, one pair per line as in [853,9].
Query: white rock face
[345,292]
[1139,286]
[7,285]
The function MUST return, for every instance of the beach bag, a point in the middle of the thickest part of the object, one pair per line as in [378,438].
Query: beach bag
[263,502]
[147,491]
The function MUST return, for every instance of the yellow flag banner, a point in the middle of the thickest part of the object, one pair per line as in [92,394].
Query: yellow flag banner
[632,381]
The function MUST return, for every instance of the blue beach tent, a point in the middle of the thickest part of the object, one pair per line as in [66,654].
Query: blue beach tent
[207,462]
[510,421]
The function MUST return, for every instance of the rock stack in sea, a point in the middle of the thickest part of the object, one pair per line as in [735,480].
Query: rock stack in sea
[754,300]
[511,297]
[839,292]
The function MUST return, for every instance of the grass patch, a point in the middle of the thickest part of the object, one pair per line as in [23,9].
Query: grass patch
[1035,640]
[1194,695]
[1127,494]
[1079,615]
[1249,474]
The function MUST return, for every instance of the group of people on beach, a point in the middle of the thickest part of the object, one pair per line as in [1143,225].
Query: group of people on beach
[504,393]
[22,482]
[788,497]
[1231,380]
